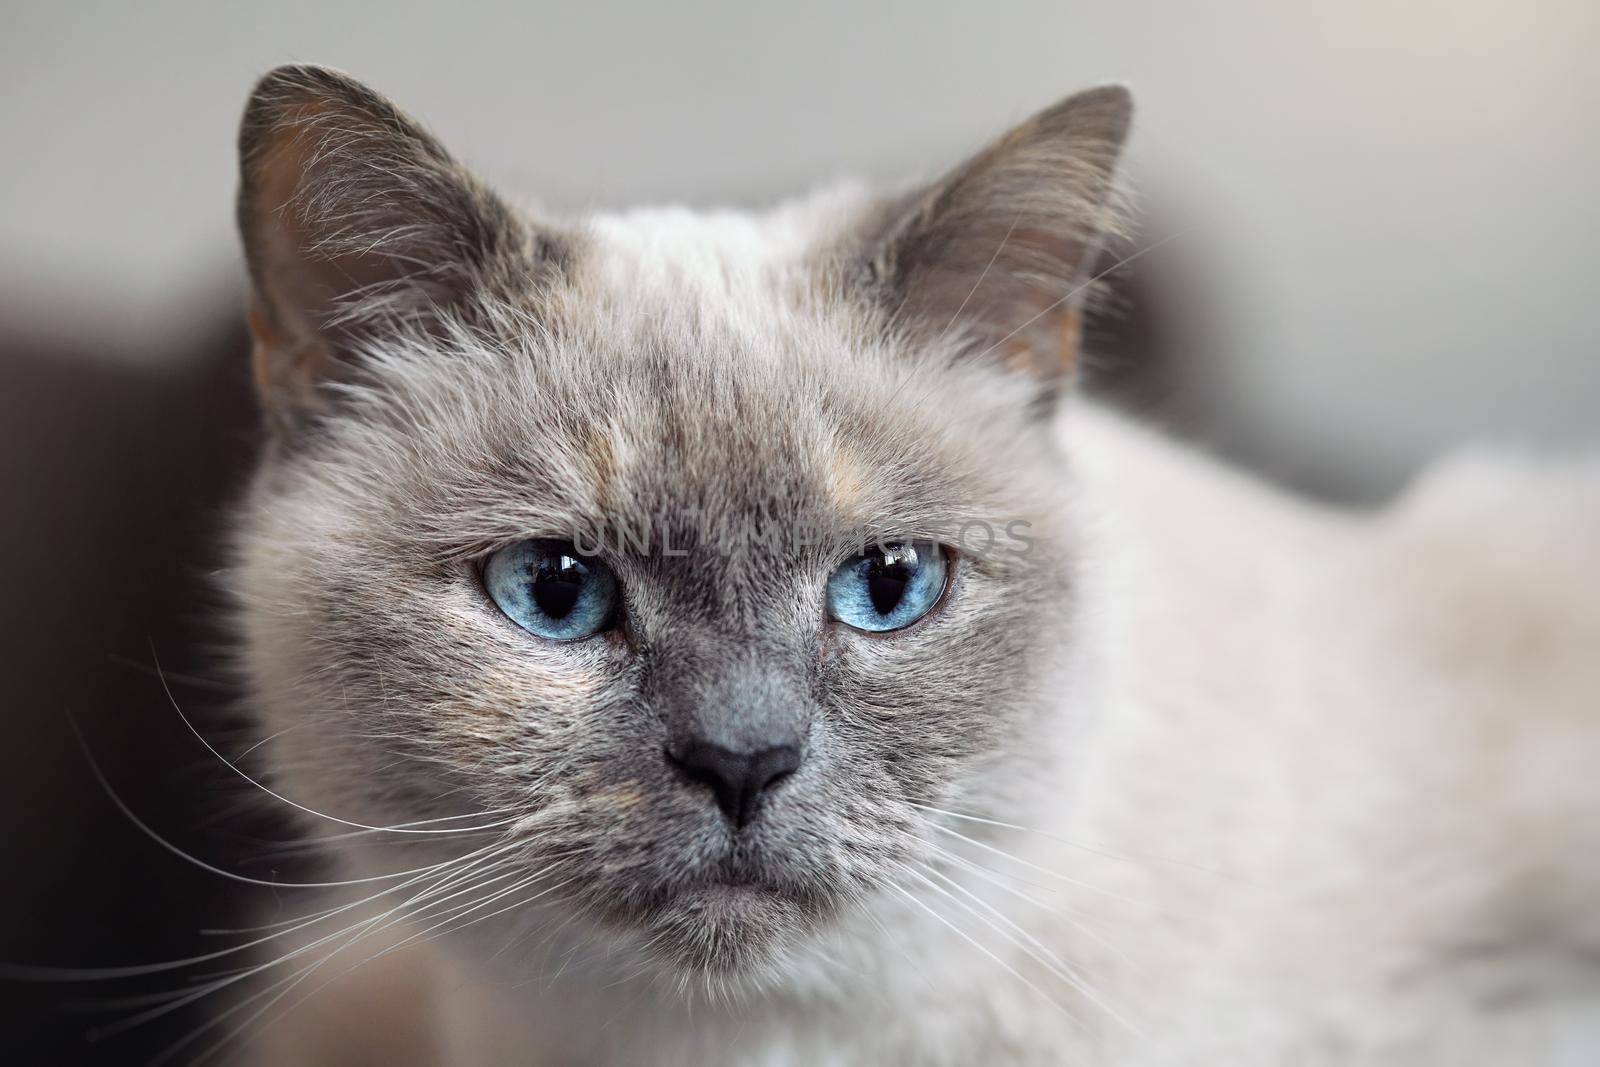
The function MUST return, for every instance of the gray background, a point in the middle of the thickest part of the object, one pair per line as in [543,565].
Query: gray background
[1384,215]
[1386,209]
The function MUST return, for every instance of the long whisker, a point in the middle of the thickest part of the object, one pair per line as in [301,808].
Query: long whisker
[180,998]
[982,275]
[1047,998]
[95,974]
[360,928]
[1027,943]
[1125,858]
[1042,870]
[145,828]
[1075,290]
[933,387]
[171,699]
[462,909]
[983,873]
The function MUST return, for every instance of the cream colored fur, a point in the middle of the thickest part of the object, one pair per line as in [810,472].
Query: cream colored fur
[1329,796]
[1233,779]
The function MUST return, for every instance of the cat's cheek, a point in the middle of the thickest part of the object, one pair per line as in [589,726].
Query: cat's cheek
[498,672]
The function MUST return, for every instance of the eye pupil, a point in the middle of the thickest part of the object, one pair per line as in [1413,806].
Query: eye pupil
[887,576]
[557,584]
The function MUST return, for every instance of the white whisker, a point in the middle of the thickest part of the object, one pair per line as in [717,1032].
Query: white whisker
[963,935]
[171,699]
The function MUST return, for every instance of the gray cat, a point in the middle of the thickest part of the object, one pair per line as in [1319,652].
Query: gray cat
[722,638]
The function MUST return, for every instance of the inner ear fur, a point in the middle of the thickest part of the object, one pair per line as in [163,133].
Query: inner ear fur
[996,259]
[353,217]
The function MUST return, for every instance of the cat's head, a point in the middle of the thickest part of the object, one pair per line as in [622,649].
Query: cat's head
[698,554]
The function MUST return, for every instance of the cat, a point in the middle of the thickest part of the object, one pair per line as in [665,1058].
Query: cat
[727,638]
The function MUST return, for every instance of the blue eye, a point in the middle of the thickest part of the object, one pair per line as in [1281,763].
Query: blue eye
[888,587]
[548,589]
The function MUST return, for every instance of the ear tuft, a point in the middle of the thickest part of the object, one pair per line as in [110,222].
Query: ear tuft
[996,259]
[351,215]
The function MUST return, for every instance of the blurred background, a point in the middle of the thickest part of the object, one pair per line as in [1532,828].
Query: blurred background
[1374,224]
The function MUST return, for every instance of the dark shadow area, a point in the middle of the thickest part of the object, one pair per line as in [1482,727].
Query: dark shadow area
[116,477]
[1128,351]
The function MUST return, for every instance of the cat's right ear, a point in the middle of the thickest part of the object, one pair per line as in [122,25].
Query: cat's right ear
[995,261]
[355,219]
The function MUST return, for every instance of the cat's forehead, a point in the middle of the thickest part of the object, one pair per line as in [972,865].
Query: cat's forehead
[720,357]
[696,368]
[695,342]
[703,412]
[720,257]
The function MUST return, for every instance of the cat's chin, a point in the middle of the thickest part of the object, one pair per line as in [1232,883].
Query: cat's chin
[730,929]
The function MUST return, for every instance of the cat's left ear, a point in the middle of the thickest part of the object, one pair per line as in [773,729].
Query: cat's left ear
[354,220]
[995,260]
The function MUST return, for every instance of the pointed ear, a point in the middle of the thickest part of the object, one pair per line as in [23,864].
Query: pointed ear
[996,259]
[354,218]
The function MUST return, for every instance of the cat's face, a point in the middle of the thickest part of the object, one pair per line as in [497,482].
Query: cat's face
[704,420]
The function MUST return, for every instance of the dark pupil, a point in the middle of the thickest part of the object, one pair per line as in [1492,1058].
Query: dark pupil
[557,581]
[887,574]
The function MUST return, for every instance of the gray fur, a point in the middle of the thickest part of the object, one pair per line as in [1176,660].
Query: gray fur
[489,390]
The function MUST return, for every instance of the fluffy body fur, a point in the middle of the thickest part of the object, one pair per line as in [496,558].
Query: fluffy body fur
[1298,786]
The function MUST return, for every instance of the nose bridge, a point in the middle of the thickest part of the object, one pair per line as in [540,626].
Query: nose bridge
[744,700]
[746,708]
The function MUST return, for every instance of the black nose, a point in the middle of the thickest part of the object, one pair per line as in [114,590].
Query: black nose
[737,778]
